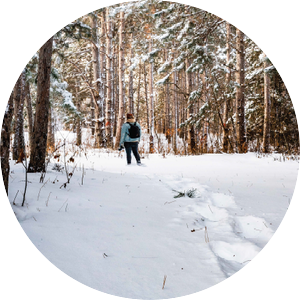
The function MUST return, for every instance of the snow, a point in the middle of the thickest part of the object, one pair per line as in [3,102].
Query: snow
[120,229]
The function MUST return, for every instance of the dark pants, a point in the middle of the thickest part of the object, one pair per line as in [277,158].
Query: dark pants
[132,146]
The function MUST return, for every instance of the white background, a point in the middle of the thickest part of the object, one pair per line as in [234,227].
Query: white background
[25,26]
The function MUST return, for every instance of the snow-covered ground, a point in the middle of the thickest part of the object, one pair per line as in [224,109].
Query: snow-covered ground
[121,229]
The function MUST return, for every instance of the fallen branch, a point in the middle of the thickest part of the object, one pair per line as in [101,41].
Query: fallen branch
[164,282]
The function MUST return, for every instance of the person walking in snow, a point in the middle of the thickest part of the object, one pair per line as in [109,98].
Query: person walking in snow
[130,137]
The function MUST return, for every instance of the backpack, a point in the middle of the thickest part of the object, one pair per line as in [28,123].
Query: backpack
[134,131]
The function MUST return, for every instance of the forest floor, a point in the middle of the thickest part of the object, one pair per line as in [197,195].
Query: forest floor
[121,229]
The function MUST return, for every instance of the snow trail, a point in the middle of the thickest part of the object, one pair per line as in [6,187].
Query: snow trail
[126,228]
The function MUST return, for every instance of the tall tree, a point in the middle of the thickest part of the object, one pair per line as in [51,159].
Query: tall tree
[5,141]
[97,76]
[190,111]
[151,90]
[121,116]
[19,97]
[109,80]
[267,108]
[240,92]
[38,153]
[227,96]
[29,114]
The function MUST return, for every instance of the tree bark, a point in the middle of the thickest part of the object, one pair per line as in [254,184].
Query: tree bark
[19,97]
[38,154]
[130,83]
[29,115]
[98,96]
[227,100]
[267,109]
[5,141]
[138,95]
[174,117]
[146,97]
[109,72]
[240,92]
[190,111]
[50,136]
[204,147]
[151,89]
[121,116]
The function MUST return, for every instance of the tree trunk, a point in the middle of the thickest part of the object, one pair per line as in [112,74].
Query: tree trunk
[98,98]
[78,117]
[138,95]
[151,143]
[267,109]
[204,147]
[190,111]
[240,92]
[29,114]
[146,97]
[19,98]
[174,117]
[5,141]
[121,116]
[115,93]
[93,117]
[130,83]
[227,100]
[38,153]
[167,115]
[50,137]
[109,73]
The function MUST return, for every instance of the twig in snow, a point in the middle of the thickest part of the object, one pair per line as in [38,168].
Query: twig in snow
[169,202]
[34,218]
[63,205]
[54,180]
[246,261]
[105,255]
[48,199]
[193,230]
[66,207]
[206,235]
[164,282]
[210,209]
[82,175]
[15,197]
[41,189]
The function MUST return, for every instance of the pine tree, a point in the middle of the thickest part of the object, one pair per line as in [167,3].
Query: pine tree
[38,153]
